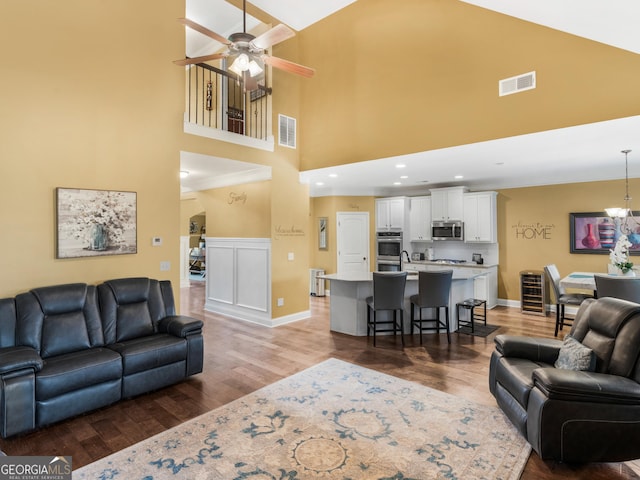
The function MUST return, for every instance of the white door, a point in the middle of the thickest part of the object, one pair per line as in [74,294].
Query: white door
[353,242]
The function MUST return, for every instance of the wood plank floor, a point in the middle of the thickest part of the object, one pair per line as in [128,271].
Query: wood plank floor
[241,357]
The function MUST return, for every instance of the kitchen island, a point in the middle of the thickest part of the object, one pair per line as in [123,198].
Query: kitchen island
[348,307]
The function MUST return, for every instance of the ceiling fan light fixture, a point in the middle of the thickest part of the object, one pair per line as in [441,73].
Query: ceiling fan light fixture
[240,64]
[254,68]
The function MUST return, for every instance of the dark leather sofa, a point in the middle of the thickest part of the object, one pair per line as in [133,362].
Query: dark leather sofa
[576,416]
[69,349]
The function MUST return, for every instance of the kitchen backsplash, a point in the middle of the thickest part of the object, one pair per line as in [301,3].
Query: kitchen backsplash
[459,250]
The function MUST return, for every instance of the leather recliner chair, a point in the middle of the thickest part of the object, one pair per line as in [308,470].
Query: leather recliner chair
[575,416]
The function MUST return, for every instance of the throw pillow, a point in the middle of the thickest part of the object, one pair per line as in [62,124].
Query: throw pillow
[575,356]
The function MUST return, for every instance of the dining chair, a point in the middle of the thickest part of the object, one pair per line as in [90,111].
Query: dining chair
[434,289]
[562,297]
[388,295]
[626,288]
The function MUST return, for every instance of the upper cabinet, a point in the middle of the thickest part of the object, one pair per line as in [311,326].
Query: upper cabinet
[480,223]
[391,214]
[420,219]
[447,204]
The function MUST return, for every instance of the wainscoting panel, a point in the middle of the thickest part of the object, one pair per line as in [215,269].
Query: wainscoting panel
[239,278]
[252,269]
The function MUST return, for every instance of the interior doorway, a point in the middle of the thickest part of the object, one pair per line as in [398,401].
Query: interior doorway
[197,250]
[353,242]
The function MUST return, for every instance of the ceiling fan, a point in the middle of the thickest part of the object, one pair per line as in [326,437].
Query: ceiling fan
[248,52]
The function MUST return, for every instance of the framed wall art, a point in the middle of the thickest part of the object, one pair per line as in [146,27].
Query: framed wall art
[95,222]
[595,232]
[322,233]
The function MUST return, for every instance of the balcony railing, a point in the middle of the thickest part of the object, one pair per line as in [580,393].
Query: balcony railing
[218,99]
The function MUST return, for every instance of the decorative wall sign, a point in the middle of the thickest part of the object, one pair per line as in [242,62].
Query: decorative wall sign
[533,231]
[95,222]
[595,232]
[288,231]
[237,198]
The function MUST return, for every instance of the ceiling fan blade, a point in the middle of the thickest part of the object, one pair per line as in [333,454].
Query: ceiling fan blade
[288,66]
[277,34]
[203,30]
[206,58]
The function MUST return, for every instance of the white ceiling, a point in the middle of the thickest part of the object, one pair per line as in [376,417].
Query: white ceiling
[583,153]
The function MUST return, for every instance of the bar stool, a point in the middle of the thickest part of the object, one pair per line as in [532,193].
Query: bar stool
[475,315]
[388,294]
[434,289]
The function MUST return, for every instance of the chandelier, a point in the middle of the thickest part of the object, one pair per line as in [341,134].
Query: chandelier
[619,214]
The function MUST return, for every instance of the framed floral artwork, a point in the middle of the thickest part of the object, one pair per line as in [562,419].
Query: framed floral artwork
[95,222]
[595,232]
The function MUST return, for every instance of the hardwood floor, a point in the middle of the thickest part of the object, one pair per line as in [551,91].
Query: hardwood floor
[241,357]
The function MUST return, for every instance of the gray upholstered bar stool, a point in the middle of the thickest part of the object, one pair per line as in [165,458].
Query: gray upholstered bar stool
[434,289]
[388,295]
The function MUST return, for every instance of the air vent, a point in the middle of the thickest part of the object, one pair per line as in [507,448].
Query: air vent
[286,131]
[520,83]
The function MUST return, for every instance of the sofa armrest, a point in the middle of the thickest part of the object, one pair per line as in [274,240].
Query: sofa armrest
[13,359]
[571,385]
[180,325]
[531,348]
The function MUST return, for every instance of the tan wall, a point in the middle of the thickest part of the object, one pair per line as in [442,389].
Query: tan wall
[396,77]
[547,210]
[239,211]
[280,207]
[90,99]
[329,207]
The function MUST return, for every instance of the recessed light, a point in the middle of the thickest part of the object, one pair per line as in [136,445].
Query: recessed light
[404,176]
[459,177]
[319,184]
[333,175]
[400,165]
[397,183]
[184,173]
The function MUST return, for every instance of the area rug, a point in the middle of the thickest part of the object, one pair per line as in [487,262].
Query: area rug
[479,329]
[332,421]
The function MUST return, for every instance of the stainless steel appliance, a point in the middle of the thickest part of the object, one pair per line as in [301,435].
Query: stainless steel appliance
[389,251]
[447,230]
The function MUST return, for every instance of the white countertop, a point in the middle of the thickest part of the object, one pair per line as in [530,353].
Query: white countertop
[412,276]
[441,264]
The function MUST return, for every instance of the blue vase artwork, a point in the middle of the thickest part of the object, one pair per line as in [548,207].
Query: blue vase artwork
[98,238]
[606,232]
[634,238]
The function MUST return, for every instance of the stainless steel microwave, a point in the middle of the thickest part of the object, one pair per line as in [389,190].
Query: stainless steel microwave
[447,231]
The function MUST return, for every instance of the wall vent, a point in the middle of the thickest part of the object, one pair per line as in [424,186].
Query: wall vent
[517,84]
[286,131]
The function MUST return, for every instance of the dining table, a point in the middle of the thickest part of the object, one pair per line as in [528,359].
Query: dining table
[581,280]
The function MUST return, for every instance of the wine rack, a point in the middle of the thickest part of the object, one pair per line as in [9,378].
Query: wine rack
[533,292]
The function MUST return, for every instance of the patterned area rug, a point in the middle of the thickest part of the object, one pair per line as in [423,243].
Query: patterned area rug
[332,421]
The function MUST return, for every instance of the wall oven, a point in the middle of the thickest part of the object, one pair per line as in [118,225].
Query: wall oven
[389,251]
[447,231]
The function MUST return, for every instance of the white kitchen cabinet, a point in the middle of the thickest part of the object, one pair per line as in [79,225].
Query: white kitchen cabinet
[447,204]
[392,214]
[480,223]
[485,287]
[420,219]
